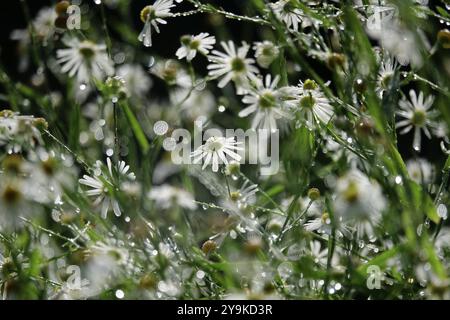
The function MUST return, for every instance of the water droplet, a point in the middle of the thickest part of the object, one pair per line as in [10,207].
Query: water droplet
[151,62]
[83,86]
[442,211]
[119,293]
[221,108]
[160,127]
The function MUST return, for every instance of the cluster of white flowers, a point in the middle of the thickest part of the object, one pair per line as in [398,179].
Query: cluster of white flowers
[98,207]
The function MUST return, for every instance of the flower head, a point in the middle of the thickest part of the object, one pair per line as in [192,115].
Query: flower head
[85,59]
[190,45]
[265,101]
[215,151]
[417,115]
[152,16]
[265,53]
[310,103]
[359,202]
[232,65]
[104,184]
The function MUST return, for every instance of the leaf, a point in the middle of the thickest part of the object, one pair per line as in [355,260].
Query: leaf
[136,127]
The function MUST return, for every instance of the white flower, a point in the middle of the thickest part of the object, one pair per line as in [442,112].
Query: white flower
[14,203]
[310,103]
[420,170]
[44,24]
[195,104]
[102,186]
[166,196]
[151,16]
[386,74]
[417,116]
[265,103]
[320,256]
[215,151]
[359,202]
[137,81]
[286,11]
[245,194]
[265,53]
[190,45]
[172,73]
[85,59]
[232,65]
[19,133]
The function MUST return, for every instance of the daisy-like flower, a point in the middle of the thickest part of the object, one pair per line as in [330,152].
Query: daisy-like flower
[166,196]
[359,202]
[417,115]
[232,65]
[386,73]
[215,151]
[286,11]
[137,81]
[151,16]
[19,133]
[173,73]
[13,203]
[265,102]
[245,193]
[102,184]
[265,53]
[310,103]
[85,59]
[190,45]
[420,171]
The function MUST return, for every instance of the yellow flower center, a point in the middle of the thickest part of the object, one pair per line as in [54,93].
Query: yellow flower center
[148,13]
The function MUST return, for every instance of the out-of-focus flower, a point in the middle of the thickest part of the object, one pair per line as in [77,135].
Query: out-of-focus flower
[166,196]
[172,73]
[20,133]
[84,59]
[265,53]
[359,202]
[286,11]
[137,81]
[420,171]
